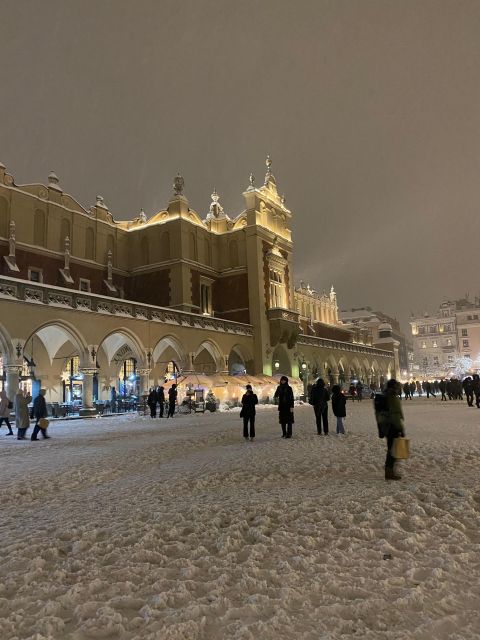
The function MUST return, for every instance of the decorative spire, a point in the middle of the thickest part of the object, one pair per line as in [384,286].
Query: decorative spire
[66,254]
[100,202]
[11,241]
[53,181]
[283,199]
[142,217]
[251,180]
[269,177]
[178,185]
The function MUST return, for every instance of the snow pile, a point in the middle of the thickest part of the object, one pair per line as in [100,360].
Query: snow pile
[132,528]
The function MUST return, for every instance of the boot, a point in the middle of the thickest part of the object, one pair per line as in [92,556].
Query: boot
[391,475]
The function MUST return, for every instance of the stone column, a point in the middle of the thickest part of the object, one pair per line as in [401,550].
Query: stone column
[144,380]
[13,372]
[87,410]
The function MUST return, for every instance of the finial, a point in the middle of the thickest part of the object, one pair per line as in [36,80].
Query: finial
[99,201]
[178,185]
[142,216]
[215,196]
[11,240]
[269,177]
[216,209]
[283,199]
[268,162]
[53,180]
[251,180]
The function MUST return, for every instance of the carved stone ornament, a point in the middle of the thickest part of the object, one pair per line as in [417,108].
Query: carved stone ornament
[178,185]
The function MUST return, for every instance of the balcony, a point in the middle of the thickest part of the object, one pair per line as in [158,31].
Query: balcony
[284,326]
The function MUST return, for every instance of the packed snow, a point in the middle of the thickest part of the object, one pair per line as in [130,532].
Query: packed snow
[131,528]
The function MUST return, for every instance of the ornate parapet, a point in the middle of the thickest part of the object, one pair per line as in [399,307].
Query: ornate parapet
[338,345]
[14,289]
[284,326]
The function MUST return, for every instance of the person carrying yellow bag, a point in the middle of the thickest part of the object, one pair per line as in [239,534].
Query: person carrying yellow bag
[391,427]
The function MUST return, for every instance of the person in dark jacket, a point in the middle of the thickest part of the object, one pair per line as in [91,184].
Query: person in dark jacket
[152,402]
[468,388]
[339,407]
[359,391]
[319,397]
[392,425]
[160,400]
[284,397]
[476,389]
[39,412]
[442,386]
[172,399]
[249,400]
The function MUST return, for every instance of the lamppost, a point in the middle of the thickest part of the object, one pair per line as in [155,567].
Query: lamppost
[304,367]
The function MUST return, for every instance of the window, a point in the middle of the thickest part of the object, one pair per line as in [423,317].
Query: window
[84,285]
[424,344]
[421,330]
[434,344]
[433,328]
[425,362]
[465,332]
[435,361]
[467,355]
[35,275]
[449,342]
[465,343]
[450,358]
[277,289]
[206,298]
[475,317]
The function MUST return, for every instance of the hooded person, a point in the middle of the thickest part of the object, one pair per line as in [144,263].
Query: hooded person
[5,406]
[40,414]
[284,397]
[22,415]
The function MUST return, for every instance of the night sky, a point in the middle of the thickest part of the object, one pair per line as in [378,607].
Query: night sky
[369,110]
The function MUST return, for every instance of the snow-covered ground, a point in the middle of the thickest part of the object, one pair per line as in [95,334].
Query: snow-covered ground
[178,529]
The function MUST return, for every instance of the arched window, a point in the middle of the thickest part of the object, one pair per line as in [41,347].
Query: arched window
[64,232]
[89,244]
[39,235]
[233,253]
[145,252]
[165,246]
[3,218]
[193,246]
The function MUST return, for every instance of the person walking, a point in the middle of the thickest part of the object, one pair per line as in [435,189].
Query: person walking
[22,415]
[5,406]
[476,389]
[468,388]
[160,400]
[442,385]
[172,399]
[359,391]
[352,391]
[152,402]
[406,391]
[339,407]
[40,413]
[319,397]
[249,400]
[412,389]
[391,424]
[284,396]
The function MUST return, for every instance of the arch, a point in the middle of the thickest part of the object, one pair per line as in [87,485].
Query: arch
[55,333]
[165,246]
[173,343]
[145,250]
[116,338]
[240,360]
[6,345]
[4,218]
[281,356]
[64,232]
[213,351]
[233,251]
[89,243]
[39,224]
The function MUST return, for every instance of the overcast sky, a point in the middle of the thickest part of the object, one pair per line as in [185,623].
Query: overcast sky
[370,110]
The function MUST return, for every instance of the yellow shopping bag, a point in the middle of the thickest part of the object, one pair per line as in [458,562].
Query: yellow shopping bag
[401,448]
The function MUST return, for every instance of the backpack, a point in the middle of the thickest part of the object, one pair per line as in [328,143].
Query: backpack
[380,405]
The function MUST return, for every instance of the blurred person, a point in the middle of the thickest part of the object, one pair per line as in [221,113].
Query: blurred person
[172,400]
[319,397]
[284,397]
[22,414]
[40,413]
[339,407]
[249,400]
[5,406]
[160,400]
[390,422]
[152,402]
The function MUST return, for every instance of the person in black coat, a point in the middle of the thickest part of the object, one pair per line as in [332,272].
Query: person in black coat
[249,400]
[152,402]
[284,397]
[39,412]
[339,407]
[160,400]
[319,398]
[172,399]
